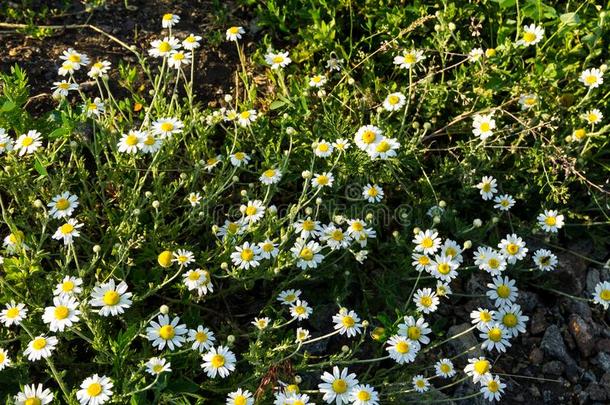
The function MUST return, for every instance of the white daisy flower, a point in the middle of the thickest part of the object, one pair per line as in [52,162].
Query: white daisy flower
[308,228]
[157,365]
[199,280]
[166,127]
[235,33]
[162,47]
[179,59]
[63,205]
[531,35]
[592,78]
[62,314]
[482,317]
[483,125]
[164,332]
[420,384]
[444,368]
[183,257]
[268,249]
[76,58]
[492,388]
[112,299]
[202,339]
[149,142]
[337,387]
[230,229]
[6,142]
[323,149]
[334,237]
[372,193]
[300,310]
[219,361]
[129,142]
[452,250]
[341,144]
[247,117]
[601,295]
[420,261]
[169,20]
[495,337]
[407,59]
[545,259]
[239,158]
[503,291]
[593,116]
[427,241]
[271,176]
[443,268]
[325,179]
[246,256]
[487,187]
[34,395]
[364,394]
[95,108]
[394,101]
[67,68]
[40,347]
[402,350]
[478,368]
[415,330]
[13,314]
[550,221]
[302,335]
[69,286]
[252,212]
[277,60]
[14,242]
[504,202]
[63,88]
[443,289]
[512,319]
[194,199]
[191,42]
[385,149]
[307,254]
[98,69]
[28,143]
[261,323]
[347,323]
[513,248]
[475,55]
[240,397]
[95,390]
[212,162]
[426,300]
[367,137]
[288,297]
[5,361]
[527,101]
[317,81]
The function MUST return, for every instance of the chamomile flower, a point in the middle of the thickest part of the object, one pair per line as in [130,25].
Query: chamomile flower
[95,390]
[63,205]
[129,141]
[6,142]
[503,291]
[492,388]
[356,228]
[240,397]
[271,176]
[487,187]
[372,193]
[337,387]
[301,335]
[550,221]
[34,395]
[239,158]
[420,383]
[408,59]
[592,78]
[493,262]
[504,202]
[530,35]
[322,180]
[601,295]
[149,142]
[247,117]
[231,229]
[513,248]
[478,368]
[367,137]
[99,69]
[14,242]
[300,310]
[483,125]
[76,58]
[69,286]
[307,254]
[62,314]
[308,228]
[261,323]
[277,60]
[40,347]
[363,394]
[67,68]
[253,211]
[452,250]
[482,317]
[235,33]
[162,47]
[420,261]
[545,259]
[323,149]
[157,365]
[213,162]
[95,108]
[443,268]
[495,337]
[335,238]
[512,319]
[113,299]
[183,257]
[444,368]
[317,81]
[246,256]
[63,88]
[341,144]
[218,361]
[347,323]
[191,42]
[5,361]
[13,313]
[194,199]
[268,249]
[169,20]
[527,101]
[166,127]
[427,241]
[385,149]
[579,134]
[178,59]
[402,349]
[28,143]
[443,289]
[394,101]
[202,339]
[416,330]
[426,300]
[200,280]
[288,297]
[164,332]
[594,116]
[475,55]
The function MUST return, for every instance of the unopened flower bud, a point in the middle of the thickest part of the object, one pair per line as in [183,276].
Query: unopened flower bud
[156,204]
[164,309]
[38,204]
[442,204]
[97,249]
[306,174]
[467,244]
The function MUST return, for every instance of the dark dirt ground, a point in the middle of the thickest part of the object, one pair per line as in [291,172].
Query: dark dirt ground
[567,342]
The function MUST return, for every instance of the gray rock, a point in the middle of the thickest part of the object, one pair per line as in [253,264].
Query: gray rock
[583,334]
[593,278]
[603,361]
[464,342]
[554,367]
[553,345]
[596,392]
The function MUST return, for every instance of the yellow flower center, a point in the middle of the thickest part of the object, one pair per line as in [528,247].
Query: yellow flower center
[383,146]
[268,247]
[323,147]
[290,298]
[165,258]
[485,127]
[111,298]
[512,248]
[503,291]
[269,173]
[357,226]
[410,58]
[131,140]
[605,295]
[218,361]
[165,46]
[157,368]
[32,401]
[98,65]
[550,221]
[486,187]
[178,56]
[485,316]
[12,313]
[75,58]
[306,254]
[27,141]
[240,400]
[316,79]
[592,117]
[251,210]
[166,332]
[39,343]
[278,59]
[364,395]
[64,86]
[234,30]
[194,276]
[393,99]
[201,337]
[167,17]
[445,368]
[323,180]
[481,366]
[579,133]
[337,235]
[369,136]
[530,101]
[300,310]
[529,37]
[493,263]
[591,79]
[443,268]
[339,386]
[509,320]
[348,321]
[62,204]
[495,334]
[240,155]
[167,127]
[150,140]
[308,225]
[424,260]
[94,389]
[413,332]
[493,386]
[426,301]
[67,229]
[427,242]
[450,252]
[247,255]
[2,358]
[372,192]
[61,312]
